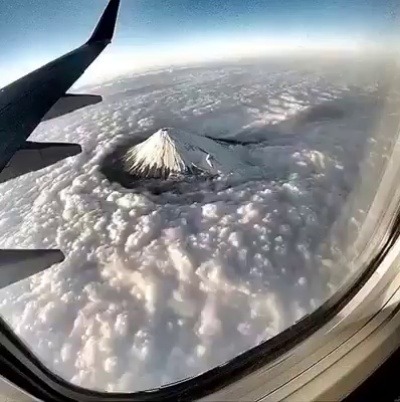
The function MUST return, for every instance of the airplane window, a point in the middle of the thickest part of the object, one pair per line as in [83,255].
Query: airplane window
[191,189]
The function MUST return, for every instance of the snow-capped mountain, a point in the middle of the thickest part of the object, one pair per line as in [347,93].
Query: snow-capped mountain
[169,152]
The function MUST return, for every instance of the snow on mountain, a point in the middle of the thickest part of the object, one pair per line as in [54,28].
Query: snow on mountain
[170,151]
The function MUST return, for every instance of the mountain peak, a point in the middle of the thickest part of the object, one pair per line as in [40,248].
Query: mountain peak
[171,152]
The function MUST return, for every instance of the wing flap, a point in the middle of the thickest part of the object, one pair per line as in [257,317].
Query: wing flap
[16,265]
[35,156]
[71,102]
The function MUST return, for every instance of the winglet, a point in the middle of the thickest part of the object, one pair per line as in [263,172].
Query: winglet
[104,30]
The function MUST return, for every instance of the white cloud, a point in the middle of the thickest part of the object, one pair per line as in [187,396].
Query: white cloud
[125,59]
[157,288]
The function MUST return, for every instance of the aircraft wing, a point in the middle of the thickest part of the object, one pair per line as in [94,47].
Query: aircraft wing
[27,101]
[41,95]
[69,103]
[35,156]
[16,265]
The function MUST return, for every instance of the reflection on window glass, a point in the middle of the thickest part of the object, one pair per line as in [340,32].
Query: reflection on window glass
[198,221]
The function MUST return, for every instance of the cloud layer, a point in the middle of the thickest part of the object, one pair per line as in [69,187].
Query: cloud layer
[156,288]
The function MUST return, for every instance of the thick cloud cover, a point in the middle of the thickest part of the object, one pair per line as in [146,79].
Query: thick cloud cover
[156,288]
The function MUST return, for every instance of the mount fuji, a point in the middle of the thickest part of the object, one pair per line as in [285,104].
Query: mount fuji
[171,152]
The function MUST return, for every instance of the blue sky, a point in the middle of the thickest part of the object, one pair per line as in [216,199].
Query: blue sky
[36,30]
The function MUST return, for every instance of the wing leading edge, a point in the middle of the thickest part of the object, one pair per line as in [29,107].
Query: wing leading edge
[23,105]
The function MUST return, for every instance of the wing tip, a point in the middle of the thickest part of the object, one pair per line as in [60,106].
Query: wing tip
[104,31]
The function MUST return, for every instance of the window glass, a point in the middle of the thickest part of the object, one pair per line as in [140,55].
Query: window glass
[227,170]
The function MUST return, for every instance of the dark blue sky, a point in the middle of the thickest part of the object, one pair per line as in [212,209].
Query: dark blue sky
[40,29]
